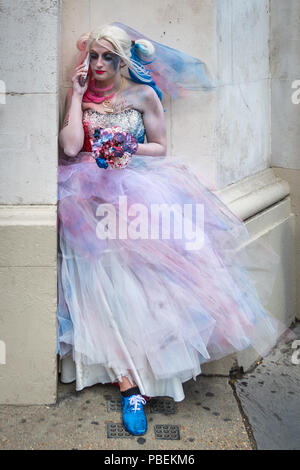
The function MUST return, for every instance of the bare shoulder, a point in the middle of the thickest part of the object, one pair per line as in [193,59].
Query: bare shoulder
[147,94]
[142,96]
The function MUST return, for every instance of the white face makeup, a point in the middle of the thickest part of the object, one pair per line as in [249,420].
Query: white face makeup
[104,63]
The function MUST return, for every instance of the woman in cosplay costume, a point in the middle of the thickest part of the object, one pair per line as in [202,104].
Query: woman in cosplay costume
[137,305]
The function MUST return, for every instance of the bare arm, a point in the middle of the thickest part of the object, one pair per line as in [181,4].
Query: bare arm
[155,127]
[71,137]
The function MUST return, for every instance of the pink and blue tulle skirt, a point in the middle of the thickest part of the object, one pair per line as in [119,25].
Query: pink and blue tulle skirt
[150,307]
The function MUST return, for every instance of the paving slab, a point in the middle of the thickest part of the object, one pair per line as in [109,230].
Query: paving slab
[270,397]
[208,418]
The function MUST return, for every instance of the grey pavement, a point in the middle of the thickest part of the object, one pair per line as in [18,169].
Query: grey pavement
[270,398]
[255,410]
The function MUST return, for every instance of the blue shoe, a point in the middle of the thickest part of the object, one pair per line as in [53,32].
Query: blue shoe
[134,418]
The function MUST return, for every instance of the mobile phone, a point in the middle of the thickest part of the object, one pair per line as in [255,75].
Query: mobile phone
[83,77]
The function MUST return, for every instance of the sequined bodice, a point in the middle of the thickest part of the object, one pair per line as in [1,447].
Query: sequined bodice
[130,120]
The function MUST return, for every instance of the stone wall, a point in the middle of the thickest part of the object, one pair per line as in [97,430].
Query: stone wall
[29,34]
[225,135]
[285,106]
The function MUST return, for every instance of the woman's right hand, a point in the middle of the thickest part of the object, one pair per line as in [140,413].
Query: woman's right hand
[77,88]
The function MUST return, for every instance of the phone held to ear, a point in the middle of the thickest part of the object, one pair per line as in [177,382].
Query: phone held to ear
[83,77]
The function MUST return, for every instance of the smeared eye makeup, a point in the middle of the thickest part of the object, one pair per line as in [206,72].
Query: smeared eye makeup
[108,57]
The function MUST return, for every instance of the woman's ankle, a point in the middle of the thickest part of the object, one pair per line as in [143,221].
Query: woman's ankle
[125,384]
[131,391]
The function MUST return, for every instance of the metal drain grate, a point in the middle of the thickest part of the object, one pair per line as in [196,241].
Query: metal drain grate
[117,430]
[166,431]
[113,405]
[162,405]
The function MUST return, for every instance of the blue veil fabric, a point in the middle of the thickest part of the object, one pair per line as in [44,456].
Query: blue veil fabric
[171,70]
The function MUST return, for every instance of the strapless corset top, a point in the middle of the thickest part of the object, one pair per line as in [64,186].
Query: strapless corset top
[130,120]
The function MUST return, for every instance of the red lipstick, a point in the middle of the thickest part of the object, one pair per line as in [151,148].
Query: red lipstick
[100,71]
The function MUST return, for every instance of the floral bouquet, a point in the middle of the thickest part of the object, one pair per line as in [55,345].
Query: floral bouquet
[113,147]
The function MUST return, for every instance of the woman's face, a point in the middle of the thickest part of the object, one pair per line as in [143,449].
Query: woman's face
[104,63]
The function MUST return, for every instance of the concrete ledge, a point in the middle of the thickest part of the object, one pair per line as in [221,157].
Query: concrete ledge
[293,178]
[28,236]
[254,193]
[263,199]
[28,280]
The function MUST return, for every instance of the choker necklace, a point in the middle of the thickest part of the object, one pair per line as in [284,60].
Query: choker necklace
[94,88]
[91,96]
